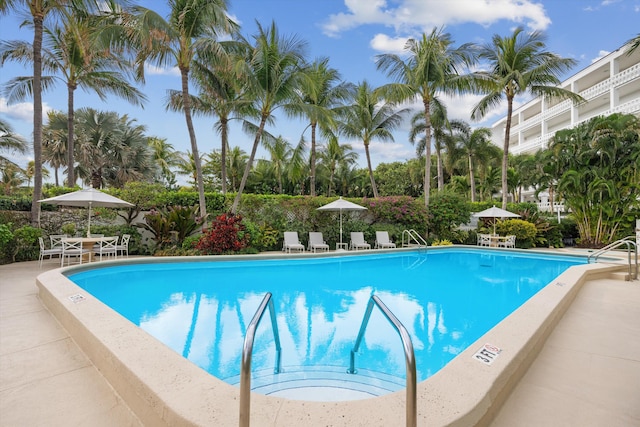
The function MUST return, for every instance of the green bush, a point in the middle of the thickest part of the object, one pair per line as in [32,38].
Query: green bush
[447,211]
[26,247]
[524,231]
[6,243]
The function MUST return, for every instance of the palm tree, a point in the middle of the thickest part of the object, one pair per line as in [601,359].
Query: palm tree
[191,29]
[280,152]
[320,96]
[12,178]
[54,142]
[38,10]
[518,64]
[11,142]
[634,44]
[433,66]
[370,117]
[272,72]
[165,157]
[334,156]
[237,162]
[30,171]
[475,143]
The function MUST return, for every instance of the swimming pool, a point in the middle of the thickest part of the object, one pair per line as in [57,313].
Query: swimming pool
[446,300]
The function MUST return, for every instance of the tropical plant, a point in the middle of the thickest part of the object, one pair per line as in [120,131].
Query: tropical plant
[476,145]
[226,235]
[370,117]
[433,66]
[10,142]
[333,156]
[446,212]
[272,72]
[518,64]
[166,158]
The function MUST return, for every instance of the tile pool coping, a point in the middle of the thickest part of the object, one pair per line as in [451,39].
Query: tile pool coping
[163,388]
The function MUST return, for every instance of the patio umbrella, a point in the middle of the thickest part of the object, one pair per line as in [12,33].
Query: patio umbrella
[87,198]
[495,212]
[341,205]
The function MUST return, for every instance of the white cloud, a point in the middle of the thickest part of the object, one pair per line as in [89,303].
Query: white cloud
[601,54]
[609,2]
[21,111]
[157,71]
[384,43]
[411,14]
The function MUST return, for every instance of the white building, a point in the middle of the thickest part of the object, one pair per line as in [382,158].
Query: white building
[609,85]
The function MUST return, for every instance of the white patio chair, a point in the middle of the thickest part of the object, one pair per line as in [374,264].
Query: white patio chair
[316,242]
[56,240]
[383,241]
[122,249]
[72,248]
[292,242]
[484,240]
[47,252]
[508,242]
[358,242]
[107,247]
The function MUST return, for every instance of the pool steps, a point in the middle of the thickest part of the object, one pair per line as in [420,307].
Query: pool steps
[322,383]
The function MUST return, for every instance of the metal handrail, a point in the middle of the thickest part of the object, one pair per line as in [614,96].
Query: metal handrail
[413,234]
[412,408]
[247,349]
[629,243]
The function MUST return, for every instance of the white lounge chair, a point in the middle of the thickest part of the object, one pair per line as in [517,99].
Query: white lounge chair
[358,242]
[47,252]
[383,241]
[508,242]
[316,242]
[291,242]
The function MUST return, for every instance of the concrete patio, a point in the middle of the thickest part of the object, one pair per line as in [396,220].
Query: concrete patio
[587,373]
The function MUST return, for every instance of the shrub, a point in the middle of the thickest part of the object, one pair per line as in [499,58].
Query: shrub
[524,231]
[447,211]
[6,243]
[443,242]
[26,243]
[226,235]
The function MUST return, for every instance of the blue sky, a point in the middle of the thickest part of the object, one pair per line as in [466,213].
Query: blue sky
[351,33]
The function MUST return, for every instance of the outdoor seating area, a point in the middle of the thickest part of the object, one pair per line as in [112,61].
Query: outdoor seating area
[83,249]
[496,241]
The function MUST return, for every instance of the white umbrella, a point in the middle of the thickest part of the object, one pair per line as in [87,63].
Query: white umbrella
[341,205]
[87,198]
[495,212]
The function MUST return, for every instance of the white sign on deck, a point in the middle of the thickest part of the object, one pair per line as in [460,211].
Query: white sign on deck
[487,354]
[77,298]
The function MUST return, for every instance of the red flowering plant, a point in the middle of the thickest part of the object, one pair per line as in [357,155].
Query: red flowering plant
[226,235]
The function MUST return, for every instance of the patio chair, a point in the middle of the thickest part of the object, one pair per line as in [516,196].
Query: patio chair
[122,249]
[383,241]
[358,242]
[56,240]
[316,242]
[291,242]
[107,247]
[47,252]
[508,242]
[484,240]
[72,248]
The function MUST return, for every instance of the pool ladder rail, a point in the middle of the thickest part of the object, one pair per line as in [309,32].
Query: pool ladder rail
[630,245]
[413,239]
[245,372]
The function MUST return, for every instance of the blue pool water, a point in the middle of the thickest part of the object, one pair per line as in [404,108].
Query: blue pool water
[446,299]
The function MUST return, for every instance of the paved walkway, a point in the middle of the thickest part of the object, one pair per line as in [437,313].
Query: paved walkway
[587,374]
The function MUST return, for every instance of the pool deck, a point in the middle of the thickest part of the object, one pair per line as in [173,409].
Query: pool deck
[587,373]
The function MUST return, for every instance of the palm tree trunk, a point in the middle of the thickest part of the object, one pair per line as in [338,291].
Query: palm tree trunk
[71,173]
[373,181]
[505,153]
[312,174]
[440,171]
[247,169]
[427,160]
[192,137]
[37,118]
[224,124]
[472,180]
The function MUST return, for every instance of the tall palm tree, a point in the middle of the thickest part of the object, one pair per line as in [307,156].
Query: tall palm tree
[368,118]
[334,156]
[518,64]
[237,162]
[475,144]
[280,151]
[165,157]
[39,10]
[321,93]
[272,72]
[191,28]
[433,66]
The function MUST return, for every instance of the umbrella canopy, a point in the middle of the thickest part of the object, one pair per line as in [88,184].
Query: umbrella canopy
[339,206]
[87,198]
[495,212]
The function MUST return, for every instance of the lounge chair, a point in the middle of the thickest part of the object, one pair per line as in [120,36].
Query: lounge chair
[383,241]
[291,242]
[316,242]
[358,242]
